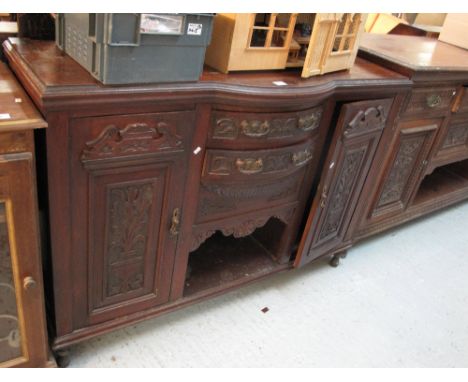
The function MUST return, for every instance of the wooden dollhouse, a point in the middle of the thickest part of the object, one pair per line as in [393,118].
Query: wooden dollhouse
[317,42]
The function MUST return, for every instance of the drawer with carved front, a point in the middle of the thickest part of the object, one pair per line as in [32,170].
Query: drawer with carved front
[248,165]
[236,182]
[432,101]
[132,135]
[453,144]
[246,130]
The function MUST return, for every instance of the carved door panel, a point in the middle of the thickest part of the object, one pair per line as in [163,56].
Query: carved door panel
[403,169]
[129,176]
[359,128]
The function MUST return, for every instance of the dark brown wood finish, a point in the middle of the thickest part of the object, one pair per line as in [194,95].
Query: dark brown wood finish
[403,169]
[419,58]
[130,171]
[419,174]
[142,151]
[359,128]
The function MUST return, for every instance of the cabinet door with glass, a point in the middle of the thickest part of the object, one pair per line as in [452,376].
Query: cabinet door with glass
[23,338]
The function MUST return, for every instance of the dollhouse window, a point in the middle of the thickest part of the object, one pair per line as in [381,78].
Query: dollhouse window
[346,33]
[269,30]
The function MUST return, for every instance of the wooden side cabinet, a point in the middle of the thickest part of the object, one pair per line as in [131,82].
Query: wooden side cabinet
[23,335]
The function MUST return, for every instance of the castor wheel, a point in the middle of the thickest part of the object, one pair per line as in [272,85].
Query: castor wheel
[62,357]
[335,260]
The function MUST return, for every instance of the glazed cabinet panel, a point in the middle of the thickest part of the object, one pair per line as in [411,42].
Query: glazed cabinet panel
[358,132]
[23,336]
[129,173]
[403,169]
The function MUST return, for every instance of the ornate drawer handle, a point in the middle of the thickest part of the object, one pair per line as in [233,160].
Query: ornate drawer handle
[433,100]
[301,157]
[249,165]
[175,222]
[255,128]
[309,122]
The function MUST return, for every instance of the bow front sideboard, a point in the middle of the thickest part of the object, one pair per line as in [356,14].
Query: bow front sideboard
[163,195]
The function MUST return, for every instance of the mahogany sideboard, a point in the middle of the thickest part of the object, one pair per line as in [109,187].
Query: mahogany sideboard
[163,195]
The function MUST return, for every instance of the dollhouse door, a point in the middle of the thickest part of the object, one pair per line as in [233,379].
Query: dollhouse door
[333,42]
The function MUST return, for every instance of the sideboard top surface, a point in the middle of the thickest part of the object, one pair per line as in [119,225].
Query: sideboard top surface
[49,74]
[413,55]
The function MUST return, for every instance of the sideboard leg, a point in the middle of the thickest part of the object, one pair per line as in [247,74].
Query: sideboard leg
[62,357]
[335,260]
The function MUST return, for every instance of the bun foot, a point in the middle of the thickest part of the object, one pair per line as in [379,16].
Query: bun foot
[62,357]
[335,260]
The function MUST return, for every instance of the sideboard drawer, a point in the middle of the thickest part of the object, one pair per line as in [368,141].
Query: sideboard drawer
[221,200]
[236,182]
[433,101]
[241,130]
[249,165]
[133,135]
[453,144]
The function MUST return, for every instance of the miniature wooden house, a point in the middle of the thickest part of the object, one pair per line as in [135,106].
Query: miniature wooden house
[317,42]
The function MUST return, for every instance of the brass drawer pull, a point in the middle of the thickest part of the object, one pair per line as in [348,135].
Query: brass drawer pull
[433,100]
[309,122]
[255,129]
[301,157]
[249,165]
[175,222]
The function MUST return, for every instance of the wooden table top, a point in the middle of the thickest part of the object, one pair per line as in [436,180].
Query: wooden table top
[17,112]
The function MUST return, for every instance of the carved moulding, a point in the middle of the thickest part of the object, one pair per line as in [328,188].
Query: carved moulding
[271,190]
[242,229]
[132,139]
[222,198]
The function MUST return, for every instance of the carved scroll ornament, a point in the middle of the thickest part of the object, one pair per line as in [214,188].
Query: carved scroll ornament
[373,118]
[134,138]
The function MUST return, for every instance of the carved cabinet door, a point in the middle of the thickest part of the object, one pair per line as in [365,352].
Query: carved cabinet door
[129,174]
[359,128]
[402,171]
